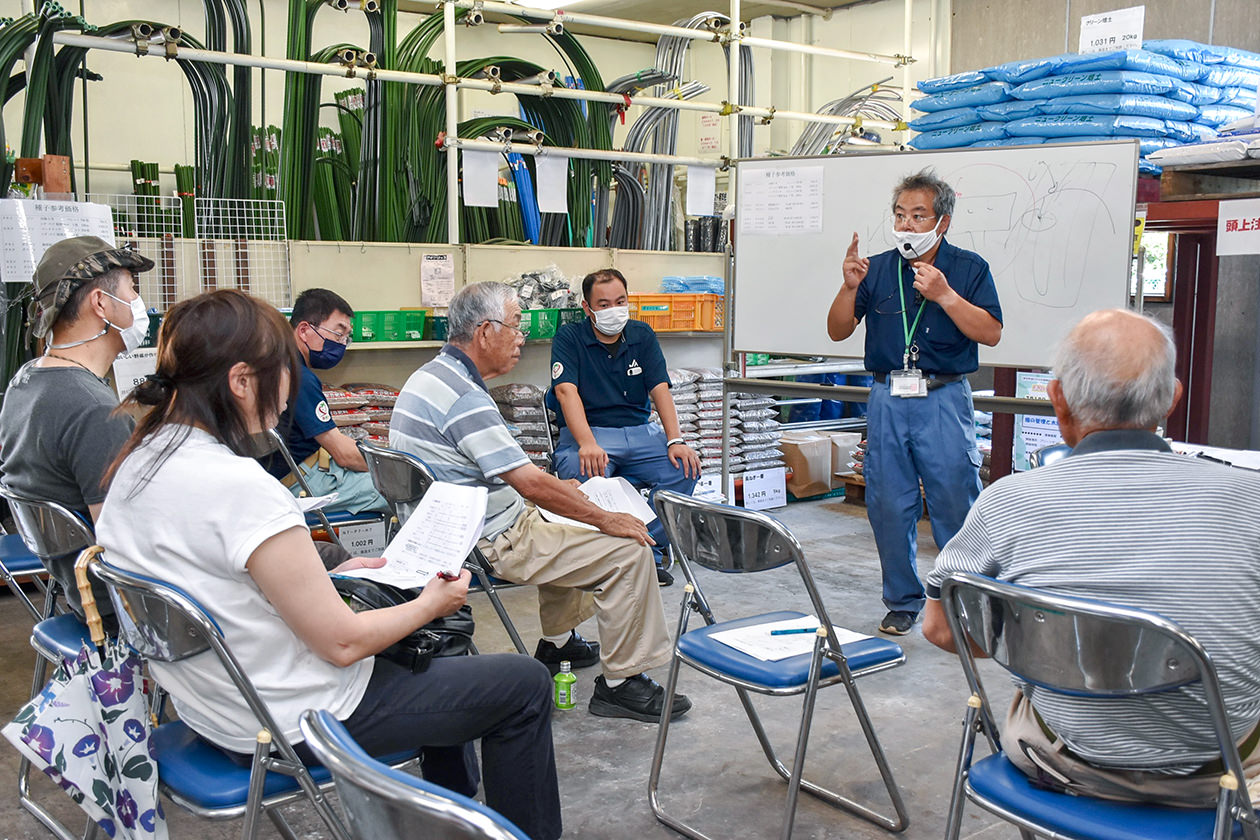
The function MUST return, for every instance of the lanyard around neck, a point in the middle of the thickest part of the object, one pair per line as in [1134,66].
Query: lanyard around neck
[907,329]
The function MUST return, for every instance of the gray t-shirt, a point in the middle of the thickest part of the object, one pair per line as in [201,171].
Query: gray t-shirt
[57,439]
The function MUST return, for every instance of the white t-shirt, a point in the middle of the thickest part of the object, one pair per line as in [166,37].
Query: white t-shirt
[195,524]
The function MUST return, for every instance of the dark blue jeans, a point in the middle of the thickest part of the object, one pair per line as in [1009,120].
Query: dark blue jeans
[503,699]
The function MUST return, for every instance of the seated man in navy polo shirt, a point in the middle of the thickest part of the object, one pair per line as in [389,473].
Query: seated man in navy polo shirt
[322,322]
[604,371]
[926,304]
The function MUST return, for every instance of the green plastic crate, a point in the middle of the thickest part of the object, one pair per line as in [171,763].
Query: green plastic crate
[436,328]
[369,325]
[402,325]
[540,323]
[571,315]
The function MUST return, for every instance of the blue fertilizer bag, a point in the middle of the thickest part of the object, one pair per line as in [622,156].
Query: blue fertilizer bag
[956,81]
[1224,76]
[950,138]
[1203,53]
[1099,81]
[985,94]
[1084,125]
[1196,94]
[1024,70]
[1132,104]
[953,118]
[1237,97]
[1141,60]
[1011,110]
[1221,114]
[1009,141]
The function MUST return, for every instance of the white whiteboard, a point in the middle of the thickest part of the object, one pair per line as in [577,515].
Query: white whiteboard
[1055,224]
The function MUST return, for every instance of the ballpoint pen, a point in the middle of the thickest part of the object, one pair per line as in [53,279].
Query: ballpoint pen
[793,631]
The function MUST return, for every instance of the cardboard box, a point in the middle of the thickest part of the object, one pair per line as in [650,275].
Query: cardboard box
[843,445]
[808,456]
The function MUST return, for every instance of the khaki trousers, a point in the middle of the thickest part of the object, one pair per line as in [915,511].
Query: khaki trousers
[1054,762]
[580,573]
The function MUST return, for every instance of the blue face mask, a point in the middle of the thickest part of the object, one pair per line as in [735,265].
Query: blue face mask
[327,356]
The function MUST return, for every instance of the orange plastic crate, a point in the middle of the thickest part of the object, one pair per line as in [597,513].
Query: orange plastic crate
[684,312]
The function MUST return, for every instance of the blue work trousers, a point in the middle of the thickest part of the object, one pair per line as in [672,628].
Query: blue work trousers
[639,455]
[911,439]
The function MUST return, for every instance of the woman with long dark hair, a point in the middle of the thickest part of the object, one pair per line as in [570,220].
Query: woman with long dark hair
[187,504]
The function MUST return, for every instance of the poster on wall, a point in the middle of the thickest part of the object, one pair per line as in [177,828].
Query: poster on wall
[437,280]
[28,228]
[1033,431]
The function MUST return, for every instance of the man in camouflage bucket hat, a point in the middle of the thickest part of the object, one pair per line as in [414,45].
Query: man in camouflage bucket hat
[58,433]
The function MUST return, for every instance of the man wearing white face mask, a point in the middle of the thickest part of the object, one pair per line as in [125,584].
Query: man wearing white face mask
[927,305]
[58,433]
[604,371]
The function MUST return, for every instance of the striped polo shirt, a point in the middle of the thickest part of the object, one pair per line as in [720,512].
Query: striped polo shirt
[1127,521]
[446,418]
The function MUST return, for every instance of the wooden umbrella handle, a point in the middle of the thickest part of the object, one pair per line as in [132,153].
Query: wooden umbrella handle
[93,615]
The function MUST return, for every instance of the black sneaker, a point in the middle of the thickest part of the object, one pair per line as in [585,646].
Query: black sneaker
[639,698]
[664,578]
[897,622]
[578,652]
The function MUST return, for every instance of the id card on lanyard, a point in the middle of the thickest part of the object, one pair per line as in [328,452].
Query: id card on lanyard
[909,381]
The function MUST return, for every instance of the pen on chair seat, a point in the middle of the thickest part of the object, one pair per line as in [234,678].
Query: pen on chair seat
[793,631]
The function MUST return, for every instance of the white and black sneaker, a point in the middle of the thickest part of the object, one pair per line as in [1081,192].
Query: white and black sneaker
[897,622]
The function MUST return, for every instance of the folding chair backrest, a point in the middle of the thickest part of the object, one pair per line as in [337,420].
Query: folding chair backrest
[400,477]
[49,529]
[158,620]
[387,804]
[1047,455]
[1073,645]
[722,538]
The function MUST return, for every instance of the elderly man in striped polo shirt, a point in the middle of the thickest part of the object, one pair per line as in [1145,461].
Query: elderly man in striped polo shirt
[445,416]
[1126,520]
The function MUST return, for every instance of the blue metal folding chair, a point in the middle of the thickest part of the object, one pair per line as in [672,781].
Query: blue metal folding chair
[382,803]
[1081,648]
[735,540]
[164,623]
[402,479]
[51,535]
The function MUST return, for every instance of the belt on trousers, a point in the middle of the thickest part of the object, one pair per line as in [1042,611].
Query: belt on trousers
[291,479]
[1212,768]
[934,380]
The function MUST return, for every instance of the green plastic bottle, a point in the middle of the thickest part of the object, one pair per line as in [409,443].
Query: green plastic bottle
[566,687]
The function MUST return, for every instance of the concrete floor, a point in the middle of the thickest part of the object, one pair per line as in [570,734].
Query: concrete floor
[714,775]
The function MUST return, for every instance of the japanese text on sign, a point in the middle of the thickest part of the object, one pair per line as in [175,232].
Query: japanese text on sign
[1107,31]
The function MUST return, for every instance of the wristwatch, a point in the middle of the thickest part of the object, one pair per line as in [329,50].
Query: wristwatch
[670,443]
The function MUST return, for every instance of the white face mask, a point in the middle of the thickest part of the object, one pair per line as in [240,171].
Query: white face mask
[133,336]
[913,245]
[612,320]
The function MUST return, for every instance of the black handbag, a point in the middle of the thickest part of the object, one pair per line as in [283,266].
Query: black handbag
[449,635]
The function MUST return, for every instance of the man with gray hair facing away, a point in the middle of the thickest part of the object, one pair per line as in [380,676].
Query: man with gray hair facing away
[1125,520]
[926,304]
[445,417]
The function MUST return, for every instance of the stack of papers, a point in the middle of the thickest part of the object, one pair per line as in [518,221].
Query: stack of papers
[612,494]
[756,640]
[435,539]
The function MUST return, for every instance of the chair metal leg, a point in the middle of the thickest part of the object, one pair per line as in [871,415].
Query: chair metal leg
[953,823]
[802,739]
[502,612]
[282,825]
[21,595]
[658,755]
[257,775]
[24,768]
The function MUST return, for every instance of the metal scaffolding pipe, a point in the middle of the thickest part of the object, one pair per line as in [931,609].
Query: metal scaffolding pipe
[788,46]
[567,17]
[452,129]
[340,71]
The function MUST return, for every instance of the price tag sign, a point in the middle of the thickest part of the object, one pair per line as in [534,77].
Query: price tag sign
[366,540]
[1238,227]
[765,489]
[130,369]
[1108,31]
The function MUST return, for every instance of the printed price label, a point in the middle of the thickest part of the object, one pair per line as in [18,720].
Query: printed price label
[765,489]
[1107,31]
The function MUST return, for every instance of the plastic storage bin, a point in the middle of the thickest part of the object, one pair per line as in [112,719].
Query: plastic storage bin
[679,312]
[540,323]
[389,324]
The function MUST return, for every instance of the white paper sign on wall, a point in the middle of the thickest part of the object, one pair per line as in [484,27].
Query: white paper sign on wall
[1238,227]
[1118,30]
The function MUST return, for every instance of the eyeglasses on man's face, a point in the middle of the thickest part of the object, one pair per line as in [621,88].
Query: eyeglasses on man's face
[514,327]
[918,219]
[333,335]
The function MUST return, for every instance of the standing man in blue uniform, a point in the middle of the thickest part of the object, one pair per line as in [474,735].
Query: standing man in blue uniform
[322,322]
[927,305]
[603,372]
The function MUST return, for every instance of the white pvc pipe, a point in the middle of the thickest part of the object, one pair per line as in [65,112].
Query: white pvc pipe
[568,17]
[585,154]
[788,46]
[452,130]
[732,83]
[905,69]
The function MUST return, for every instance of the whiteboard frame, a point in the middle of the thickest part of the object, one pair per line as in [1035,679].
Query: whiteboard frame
[991,356]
